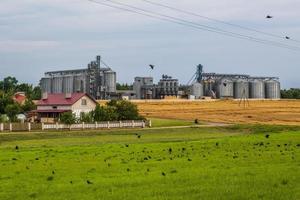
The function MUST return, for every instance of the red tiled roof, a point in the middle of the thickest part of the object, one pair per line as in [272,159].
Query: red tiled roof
[60,99]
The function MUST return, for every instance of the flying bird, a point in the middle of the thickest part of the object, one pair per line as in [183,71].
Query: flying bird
[287,37]
[269,17]
[151,66]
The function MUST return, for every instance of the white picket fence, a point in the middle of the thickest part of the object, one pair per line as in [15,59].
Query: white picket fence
[98,125]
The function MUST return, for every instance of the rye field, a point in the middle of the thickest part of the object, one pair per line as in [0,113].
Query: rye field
[281,112]
[233,162]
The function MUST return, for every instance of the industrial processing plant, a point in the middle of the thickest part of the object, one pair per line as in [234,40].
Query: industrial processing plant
[100,82]
[95,80]
[233,86]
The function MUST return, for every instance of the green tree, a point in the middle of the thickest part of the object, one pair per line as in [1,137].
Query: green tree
[36,93]
[9,84]
[68,118]
[105,113]
[12,110]
[28,106]
[293,93]
[127,111]
[5,100]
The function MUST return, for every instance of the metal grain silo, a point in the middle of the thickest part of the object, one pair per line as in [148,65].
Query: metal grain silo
[46,85]
[208,86]
[241,89]
[78,84]
[224,88]
[57,84]
[272,89]
[68,84]
[197,90]
[257,89]
[110,78]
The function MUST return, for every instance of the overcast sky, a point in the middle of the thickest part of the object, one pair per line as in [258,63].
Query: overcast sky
[45,35]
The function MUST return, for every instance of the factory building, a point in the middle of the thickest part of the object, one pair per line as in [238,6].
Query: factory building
[144,88]
[95,80]
[234,86]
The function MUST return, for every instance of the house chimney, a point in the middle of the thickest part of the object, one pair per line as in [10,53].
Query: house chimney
[68,95]
[45,96]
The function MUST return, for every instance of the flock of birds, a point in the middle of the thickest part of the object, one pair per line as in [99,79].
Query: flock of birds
[185,153]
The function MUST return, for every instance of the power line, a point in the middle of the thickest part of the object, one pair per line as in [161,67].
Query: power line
[219,21]
[179,21]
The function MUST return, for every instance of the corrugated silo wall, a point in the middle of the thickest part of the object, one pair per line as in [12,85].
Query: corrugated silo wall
[257,89]
[272,89]
[241,89]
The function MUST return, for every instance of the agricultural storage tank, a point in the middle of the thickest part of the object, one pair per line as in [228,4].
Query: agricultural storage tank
[68,84]
[241,89]
[197,90]
[257,89]
[208,87]
[57,84]
[224,88]
[272,89]
[46,85]
[78,84]
[110,81]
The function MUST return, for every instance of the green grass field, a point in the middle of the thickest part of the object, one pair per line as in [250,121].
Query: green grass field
[236,162]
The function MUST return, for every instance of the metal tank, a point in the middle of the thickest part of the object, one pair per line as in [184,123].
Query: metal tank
[209,86]
[241,89]
[57,84]
[197,90]
[272,89]
[110,81]
[46,85]
[257,89]
[224,88]
[68,84]
[78,84]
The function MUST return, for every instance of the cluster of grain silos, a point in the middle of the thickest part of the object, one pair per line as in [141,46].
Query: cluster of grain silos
[237,88]
[97,81]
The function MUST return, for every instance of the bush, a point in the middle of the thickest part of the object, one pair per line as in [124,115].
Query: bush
[105,113]
[87,117]
[68,118]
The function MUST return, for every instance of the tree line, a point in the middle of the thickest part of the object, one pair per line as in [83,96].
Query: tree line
[8,107]
[293,93]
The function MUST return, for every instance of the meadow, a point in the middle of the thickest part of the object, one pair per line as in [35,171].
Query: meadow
[234,162]
[282,112]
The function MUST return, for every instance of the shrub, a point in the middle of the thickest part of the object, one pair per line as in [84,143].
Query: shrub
[68,118]
[12,110]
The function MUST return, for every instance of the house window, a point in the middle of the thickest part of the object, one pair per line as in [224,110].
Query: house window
[83,102]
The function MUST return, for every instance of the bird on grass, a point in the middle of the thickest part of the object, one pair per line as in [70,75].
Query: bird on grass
[163,174]
[139,137]
[89,182]
[267,136]
[17,147]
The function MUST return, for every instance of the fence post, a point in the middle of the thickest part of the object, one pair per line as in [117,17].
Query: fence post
[121,124]
[96,123]
[1,127]
[56,125]
[108,125]
[83,126]
[133,125]
[43,126]
[10,127]
[150,123]
[143,124]
[29,126]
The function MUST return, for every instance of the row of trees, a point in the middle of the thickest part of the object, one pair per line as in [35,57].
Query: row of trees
[112,111]
[293,93]
[8,107]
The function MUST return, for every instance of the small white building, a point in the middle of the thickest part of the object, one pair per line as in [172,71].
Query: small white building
[51,106]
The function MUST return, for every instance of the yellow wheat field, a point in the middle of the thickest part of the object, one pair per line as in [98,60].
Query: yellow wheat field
[267,112]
